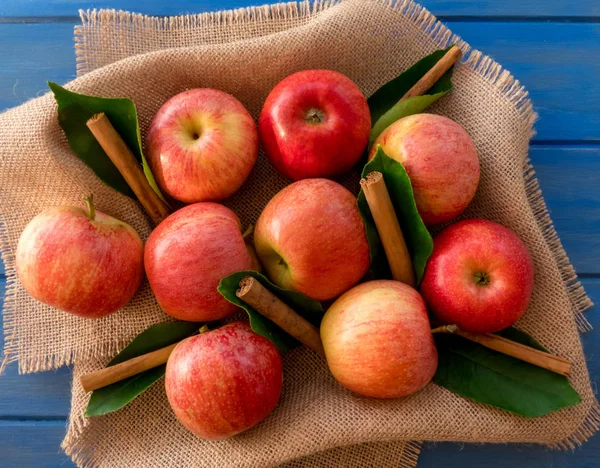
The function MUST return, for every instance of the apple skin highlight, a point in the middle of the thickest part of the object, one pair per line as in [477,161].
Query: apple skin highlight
[479,277]
[89,268]
[310,237]
[222,382]
[441,160]
[202,145]
[314,123]
[187,255]
[378,341]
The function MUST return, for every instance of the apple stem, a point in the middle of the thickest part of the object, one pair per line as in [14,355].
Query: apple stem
[482,279]
[445,329]
[314,116]
[91,208]
[203,329]
[248,231]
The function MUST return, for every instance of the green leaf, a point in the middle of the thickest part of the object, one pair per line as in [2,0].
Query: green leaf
[385,104]
[116,396]
[308,308]
[418,239]
[490,377]
[74,110]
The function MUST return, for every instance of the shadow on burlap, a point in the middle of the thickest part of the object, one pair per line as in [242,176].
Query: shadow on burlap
[245,52]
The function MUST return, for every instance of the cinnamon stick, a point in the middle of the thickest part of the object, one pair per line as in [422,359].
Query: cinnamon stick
[109,375]
[268,305]
[435,73]
[519,351]
[122,157]
[252,292]
[388,228]
[378,197]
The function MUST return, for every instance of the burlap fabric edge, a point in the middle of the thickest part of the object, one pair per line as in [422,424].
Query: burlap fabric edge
[476,60]
[479,63]
[425,20]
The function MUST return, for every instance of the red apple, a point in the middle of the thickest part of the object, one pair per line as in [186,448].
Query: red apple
[202,145]
[85,263]
[440,159]
[378,340]
[314,123]
[187,255]
[222,382]
[479,277]
[310,237]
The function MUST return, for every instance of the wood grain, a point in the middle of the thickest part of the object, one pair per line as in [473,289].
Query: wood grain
[553,60]
[569,181]
[32,443]
[448,8]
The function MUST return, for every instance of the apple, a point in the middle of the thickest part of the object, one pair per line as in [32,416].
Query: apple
[202,145]
[310,237]
[479,276]
[314,123]
[187,255]
[222,382]
[440,159]
[378,340]
[86,263]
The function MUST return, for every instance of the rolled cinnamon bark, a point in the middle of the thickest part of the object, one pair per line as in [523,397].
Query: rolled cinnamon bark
[388,228]
[271,307]
[109,375]
[129,167]
[511,348]
[434,73]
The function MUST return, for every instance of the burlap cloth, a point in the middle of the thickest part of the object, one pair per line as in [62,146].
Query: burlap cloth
[245,52]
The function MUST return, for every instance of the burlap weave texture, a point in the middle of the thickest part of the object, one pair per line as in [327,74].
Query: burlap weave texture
[245,53]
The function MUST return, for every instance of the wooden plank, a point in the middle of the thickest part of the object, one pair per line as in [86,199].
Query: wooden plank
[549,59]
[569,182]
[32,54]
[480,9]
[33,444]
[44,395]
[36,443]
[512,8]
[452,455]
[553,61]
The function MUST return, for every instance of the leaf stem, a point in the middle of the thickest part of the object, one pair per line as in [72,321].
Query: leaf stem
[445,329]
[91,208]
[248,231]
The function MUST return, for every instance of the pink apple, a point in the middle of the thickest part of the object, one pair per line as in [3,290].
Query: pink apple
[187,255]
[440,159]
[85,263]
[202,145]
[378,340]
[479,277]
[311,238]
[222,382]
[314,123]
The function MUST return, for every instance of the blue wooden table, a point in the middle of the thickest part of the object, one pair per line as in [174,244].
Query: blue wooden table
[551,46]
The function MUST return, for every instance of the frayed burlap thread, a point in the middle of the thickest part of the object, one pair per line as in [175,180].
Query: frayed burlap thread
[245,52]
